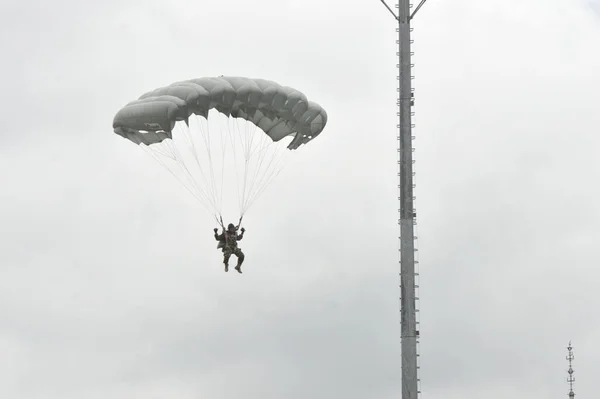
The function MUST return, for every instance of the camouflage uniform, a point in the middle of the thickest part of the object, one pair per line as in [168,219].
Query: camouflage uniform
[228,241]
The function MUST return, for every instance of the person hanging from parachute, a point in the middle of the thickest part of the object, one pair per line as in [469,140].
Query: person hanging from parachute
[228,243]
[169,122]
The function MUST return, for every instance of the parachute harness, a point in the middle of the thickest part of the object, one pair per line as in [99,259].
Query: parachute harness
[220,221]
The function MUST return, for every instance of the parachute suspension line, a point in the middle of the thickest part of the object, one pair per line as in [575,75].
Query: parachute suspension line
[189,177]
[247,143]
[269,173]
[223,147]
[257,175]
[183,133]
[183,166]
[219,221]
[207,143]
[263,144]
[232,141]
[244,144]
[218,203]
[186,132]
[203,126]
[188,136]
[175,156]
[252,183]
[157,159]
[249,153]
[258,171]
[251,194]
[157,150]
[266,181]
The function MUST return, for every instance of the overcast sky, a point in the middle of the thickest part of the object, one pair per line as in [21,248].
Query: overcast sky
[110,283]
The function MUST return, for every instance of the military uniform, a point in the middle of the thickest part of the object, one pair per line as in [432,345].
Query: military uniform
[228,242]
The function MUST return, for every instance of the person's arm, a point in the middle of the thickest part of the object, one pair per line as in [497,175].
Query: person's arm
[218,237]
[240,236]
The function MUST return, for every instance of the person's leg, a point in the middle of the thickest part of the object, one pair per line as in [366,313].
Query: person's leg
[240,255]
[226,255]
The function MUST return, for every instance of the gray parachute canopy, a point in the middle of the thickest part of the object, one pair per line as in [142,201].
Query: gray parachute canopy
[277,110]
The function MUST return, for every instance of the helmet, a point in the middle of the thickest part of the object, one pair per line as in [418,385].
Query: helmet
[231,226]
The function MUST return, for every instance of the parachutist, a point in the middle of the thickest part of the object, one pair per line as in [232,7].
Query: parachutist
[228,240]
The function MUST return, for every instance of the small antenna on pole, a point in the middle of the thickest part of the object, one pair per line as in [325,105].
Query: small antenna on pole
[570,379]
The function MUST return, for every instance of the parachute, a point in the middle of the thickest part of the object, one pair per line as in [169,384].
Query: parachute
[252,118]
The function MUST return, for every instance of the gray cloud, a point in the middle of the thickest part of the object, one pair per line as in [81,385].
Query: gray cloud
[110,283]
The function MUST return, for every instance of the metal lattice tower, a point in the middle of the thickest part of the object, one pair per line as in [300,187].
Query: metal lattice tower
[570,379]
[409,331]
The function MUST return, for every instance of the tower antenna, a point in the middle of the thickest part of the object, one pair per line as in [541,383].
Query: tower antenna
[570,379]
[409,332]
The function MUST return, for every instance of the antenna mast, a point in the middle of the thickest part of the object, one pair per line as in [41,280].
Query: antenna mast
[407,214]
[570,379]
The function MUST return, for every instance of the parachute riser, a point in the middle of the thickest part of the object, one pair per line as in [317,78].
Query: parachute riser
[222,224]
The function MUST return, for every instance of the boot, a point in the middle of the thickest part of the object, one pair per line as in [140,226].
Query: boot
[239,269]
[226,267]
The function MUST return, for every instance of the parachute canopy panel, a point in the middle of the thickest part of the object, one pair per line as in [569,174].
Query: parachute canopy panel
[279,111]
